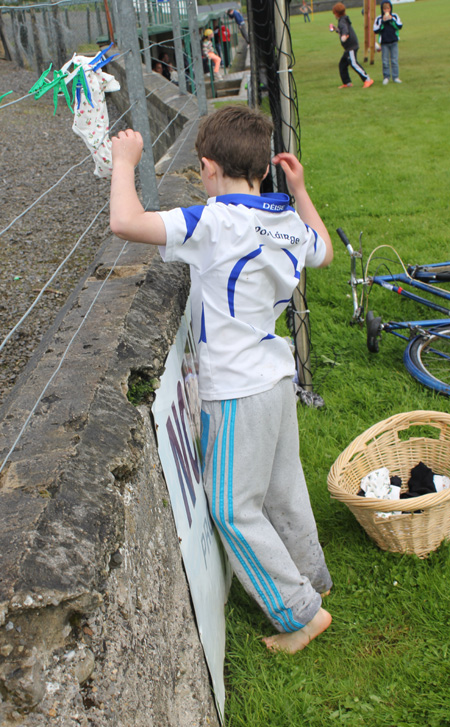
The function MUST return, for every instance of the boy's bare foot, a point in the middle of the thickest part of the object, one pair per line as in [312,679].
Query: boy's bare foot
[297,640]
[325,593]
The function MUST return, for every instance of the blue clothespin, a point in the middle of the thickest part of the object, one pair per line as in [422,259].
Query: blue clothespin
[101,60]
[80,83]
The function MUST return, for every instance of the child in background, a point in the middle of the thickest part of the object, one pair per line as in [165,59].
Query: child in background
[387,26]
[305,11]
[246,252]
[350,44]
[208,51]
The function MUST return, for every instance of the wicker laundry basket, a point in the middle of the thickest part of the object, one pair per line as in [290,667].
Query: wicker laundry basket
[383,446]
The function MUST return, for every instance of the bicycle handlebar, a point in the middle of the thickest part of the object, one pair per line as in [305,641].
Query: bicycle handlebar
[344,239]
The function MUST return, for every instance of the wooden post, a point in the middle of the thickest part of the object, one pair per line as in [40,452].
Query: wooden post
[38,58]
[88,25]
[99,19]
[109,22]
[373,10]
[366,30]
[61,52]
[3,40]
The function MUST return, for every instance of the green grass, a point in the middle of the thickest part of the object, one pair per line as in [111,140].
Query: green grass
[376,161]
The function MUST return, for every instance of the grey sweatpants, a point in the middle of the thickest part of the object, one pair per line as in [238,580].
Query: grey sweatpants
[260,504]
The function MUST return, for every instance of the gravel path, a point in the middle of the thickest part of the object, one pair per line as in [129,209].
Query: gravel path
[36,149]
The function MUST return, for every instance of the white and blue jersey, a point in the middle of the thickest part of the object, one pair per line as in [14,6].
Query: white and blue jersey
[246,253]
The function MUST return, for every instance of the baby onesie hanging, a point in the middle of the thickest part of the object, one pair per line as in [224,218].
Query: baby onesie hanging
[91,120]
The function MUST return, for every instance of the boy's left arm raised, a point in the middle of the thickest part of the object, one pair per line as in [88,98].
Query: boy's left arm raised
[128,219]
[295,179]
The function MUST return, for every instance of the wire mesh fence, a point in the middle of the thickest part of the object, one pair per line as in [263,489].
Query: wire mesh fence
[272,63]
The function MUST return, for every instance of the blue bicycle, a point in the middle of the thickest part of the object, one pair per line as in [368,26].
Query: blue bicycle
[427,355]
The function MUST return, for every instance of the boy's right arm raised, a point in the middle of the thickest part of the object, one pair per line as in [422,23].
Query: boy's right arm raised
[296,182]
[128,219]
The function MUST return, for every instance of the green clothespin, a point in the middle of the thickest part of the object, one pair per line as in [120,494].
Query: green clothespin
[4,94]
[59,86]
[42,80]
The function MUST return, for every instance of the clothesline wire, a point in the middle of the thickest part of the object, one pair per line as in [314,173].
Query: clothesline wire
[194,121]
[83,161]
[64,355]
[61,265]
[31,95]
[164,131]
[39,296]
[10,103]
[40,5]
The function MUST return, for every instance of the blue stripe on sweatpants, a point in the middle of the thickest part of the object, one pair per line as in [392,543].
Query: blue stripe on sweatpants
[260,579]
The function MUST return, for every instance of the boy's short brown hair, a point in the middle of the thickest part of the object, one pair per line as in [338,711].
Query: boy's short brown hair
[238,139]
[339,9]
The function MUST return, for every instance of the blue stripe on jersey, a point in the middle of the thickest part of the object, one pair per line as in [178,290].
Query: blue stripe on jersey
[293,260]
[276,202]
[315,236]
[202,326]
[192,216]
[261,580]
[268,337]
[279,302]
[232,280]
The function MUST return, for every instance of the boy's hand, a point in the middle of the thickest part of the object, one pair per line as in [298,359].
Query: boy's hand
[293,170]
[127,147]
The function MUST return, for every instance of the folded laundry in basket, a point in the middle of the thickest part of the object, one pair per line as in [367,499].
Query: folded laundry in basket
[379,484]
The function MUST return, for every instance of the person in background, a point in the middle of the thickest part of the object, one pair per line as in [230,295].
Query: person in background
[226,41]
[387,26]
[208,51]
[350,44]
[157,67]
[164,59]
[305,11]
[238,17]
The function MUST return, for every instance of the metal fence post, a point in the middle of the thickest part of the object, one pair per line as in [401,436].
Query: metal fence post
[178,44]
[290,145]
[138,101]
[143,17]
[200,89]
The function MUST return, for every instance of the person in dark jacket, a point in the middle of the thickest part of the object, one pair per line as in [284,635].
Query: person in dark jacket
[387,26]
[239,18]
[350,44]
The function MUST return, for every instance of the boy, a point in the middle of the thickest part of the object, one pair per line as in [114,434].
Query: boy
[350,44]
[246,252]
[387,25]
[305,10]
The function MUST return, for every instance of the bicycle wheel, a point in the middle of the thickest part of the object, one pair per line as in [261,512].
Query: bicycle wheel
[427,358]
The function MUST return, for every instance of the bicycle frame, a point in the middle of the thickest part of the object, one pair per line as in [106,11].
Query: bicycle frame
[423,281]
[427,355]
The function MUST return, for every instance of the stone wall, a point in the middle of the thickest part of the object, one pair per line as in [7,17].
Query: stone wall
[96,622]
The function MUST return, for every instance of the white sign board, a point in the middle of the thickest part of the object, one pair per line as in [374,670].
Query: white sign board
[176,412]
